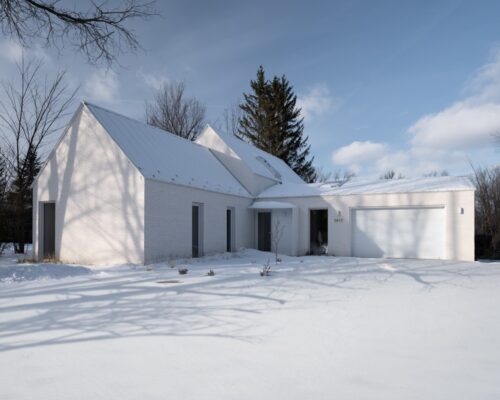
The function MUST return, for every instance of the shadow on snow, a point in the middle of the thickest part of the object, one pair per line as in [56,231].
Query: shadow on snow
[132,303]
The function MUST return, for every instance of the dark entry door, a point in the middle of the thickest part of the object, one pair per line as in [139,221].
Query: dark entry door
[49,230]
[318,231]
[228,230]
[196,231]
[264,231]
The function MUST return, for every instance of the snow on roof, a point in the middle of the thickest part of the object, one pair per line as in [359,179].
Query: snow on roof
[270,205]
[357,186]
[260,162]
[165,157]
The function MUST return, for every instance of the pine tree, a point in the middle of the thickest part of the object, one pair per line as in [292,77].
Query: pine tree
[254,123]
[21,198]
[271,121]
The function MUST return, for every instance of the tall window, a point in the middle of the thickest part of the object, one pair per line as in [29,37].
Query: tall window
[197,229]
[230,229]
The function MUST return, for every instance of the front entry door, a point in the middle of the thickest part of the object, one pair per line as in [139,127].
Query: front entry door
[264,231]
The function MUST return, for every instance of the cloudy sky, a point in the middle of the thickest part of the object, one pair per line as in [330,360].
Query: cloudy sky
[408,85]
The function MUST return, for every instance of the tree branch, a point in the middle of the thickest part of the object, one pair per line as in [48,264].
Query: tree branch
[100,34]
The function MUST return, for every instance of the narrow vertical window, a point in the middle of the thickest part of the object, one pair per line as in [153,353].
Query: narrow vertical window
[264,231]
[229,230]
[196,230]
[49,230]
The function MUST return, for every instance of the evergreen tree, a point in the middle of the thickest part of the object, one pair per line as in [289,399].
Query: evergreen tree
[271,121]
[21,198]
[254,124]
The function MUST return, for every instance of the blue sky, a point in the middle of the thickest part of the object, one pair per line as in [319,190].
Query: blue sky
[409,85]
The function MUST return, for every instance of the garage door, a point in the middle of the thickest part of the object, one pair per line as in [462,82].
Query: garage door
[399,232]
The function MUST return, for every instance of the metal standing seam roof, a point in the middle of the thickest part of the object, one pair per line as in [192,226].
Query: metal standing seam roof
[162,156]
[379,186]
[165,157]
[252,156]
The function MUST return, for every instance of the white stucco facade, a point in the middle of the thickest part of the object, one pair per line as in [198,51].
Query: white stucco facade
[458,208]
[124,193]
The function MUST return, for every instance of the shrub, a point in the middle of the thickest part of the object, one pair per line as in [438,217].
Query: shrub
[3,246]
[266,269]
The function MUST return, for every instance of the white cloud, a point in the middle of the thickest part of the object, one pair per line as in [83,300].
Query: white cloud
[154,81]
[484,86]
[373,159]
[395,160]
[317,102]
[444,140]
[461,126]
[102,86]
[469,122]
[11,50]
[358,152]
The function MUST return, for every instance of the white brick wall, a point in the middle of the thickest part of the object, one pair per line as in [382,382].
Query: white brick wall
[99,198]
[168,220]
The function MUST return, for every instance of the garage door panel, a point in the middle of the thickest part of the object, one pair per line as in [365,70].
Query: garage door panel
[399,232]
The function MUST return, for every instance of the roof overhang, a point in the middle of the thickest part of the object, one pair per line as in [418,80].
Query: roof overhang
[270,205]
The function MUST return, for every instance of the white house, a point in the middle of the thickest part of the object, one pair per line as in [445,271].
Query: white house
[115,190]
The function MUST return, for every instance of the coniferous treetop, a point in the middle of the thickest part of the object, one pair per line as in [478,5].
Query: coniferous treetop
[272,122]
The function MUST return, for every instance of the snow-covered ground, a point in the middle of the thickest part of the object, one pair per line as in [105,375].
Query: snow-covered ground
[317,328]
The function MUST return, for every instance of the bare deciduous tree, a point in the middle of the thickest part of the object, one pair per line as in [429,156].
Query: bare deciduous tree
[343,177]
[100,33]
[231,120]
[391,174]
[322,176]
[174,113]
[435,173]
[32,111]
[487,218]
[277,234]
[4,180]
[339,177]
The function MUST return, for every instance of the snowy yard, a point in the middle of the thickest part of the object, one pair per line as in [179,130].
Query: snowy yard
[317,328]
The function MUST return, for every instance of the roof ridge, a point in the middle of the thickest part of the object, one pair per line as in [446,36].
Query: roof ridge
[152,127]
[109,120]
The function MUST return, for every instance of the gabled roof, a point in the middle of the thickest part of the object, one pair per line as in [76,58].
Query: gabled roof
[260,162]
[379,186]
[165,157]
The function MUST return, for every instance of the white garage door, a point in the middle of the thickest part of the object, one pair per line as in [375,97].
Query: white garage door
[399,232]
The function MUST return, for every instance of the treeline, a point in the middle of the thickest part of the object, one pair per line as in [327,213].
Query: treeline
[487,217]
